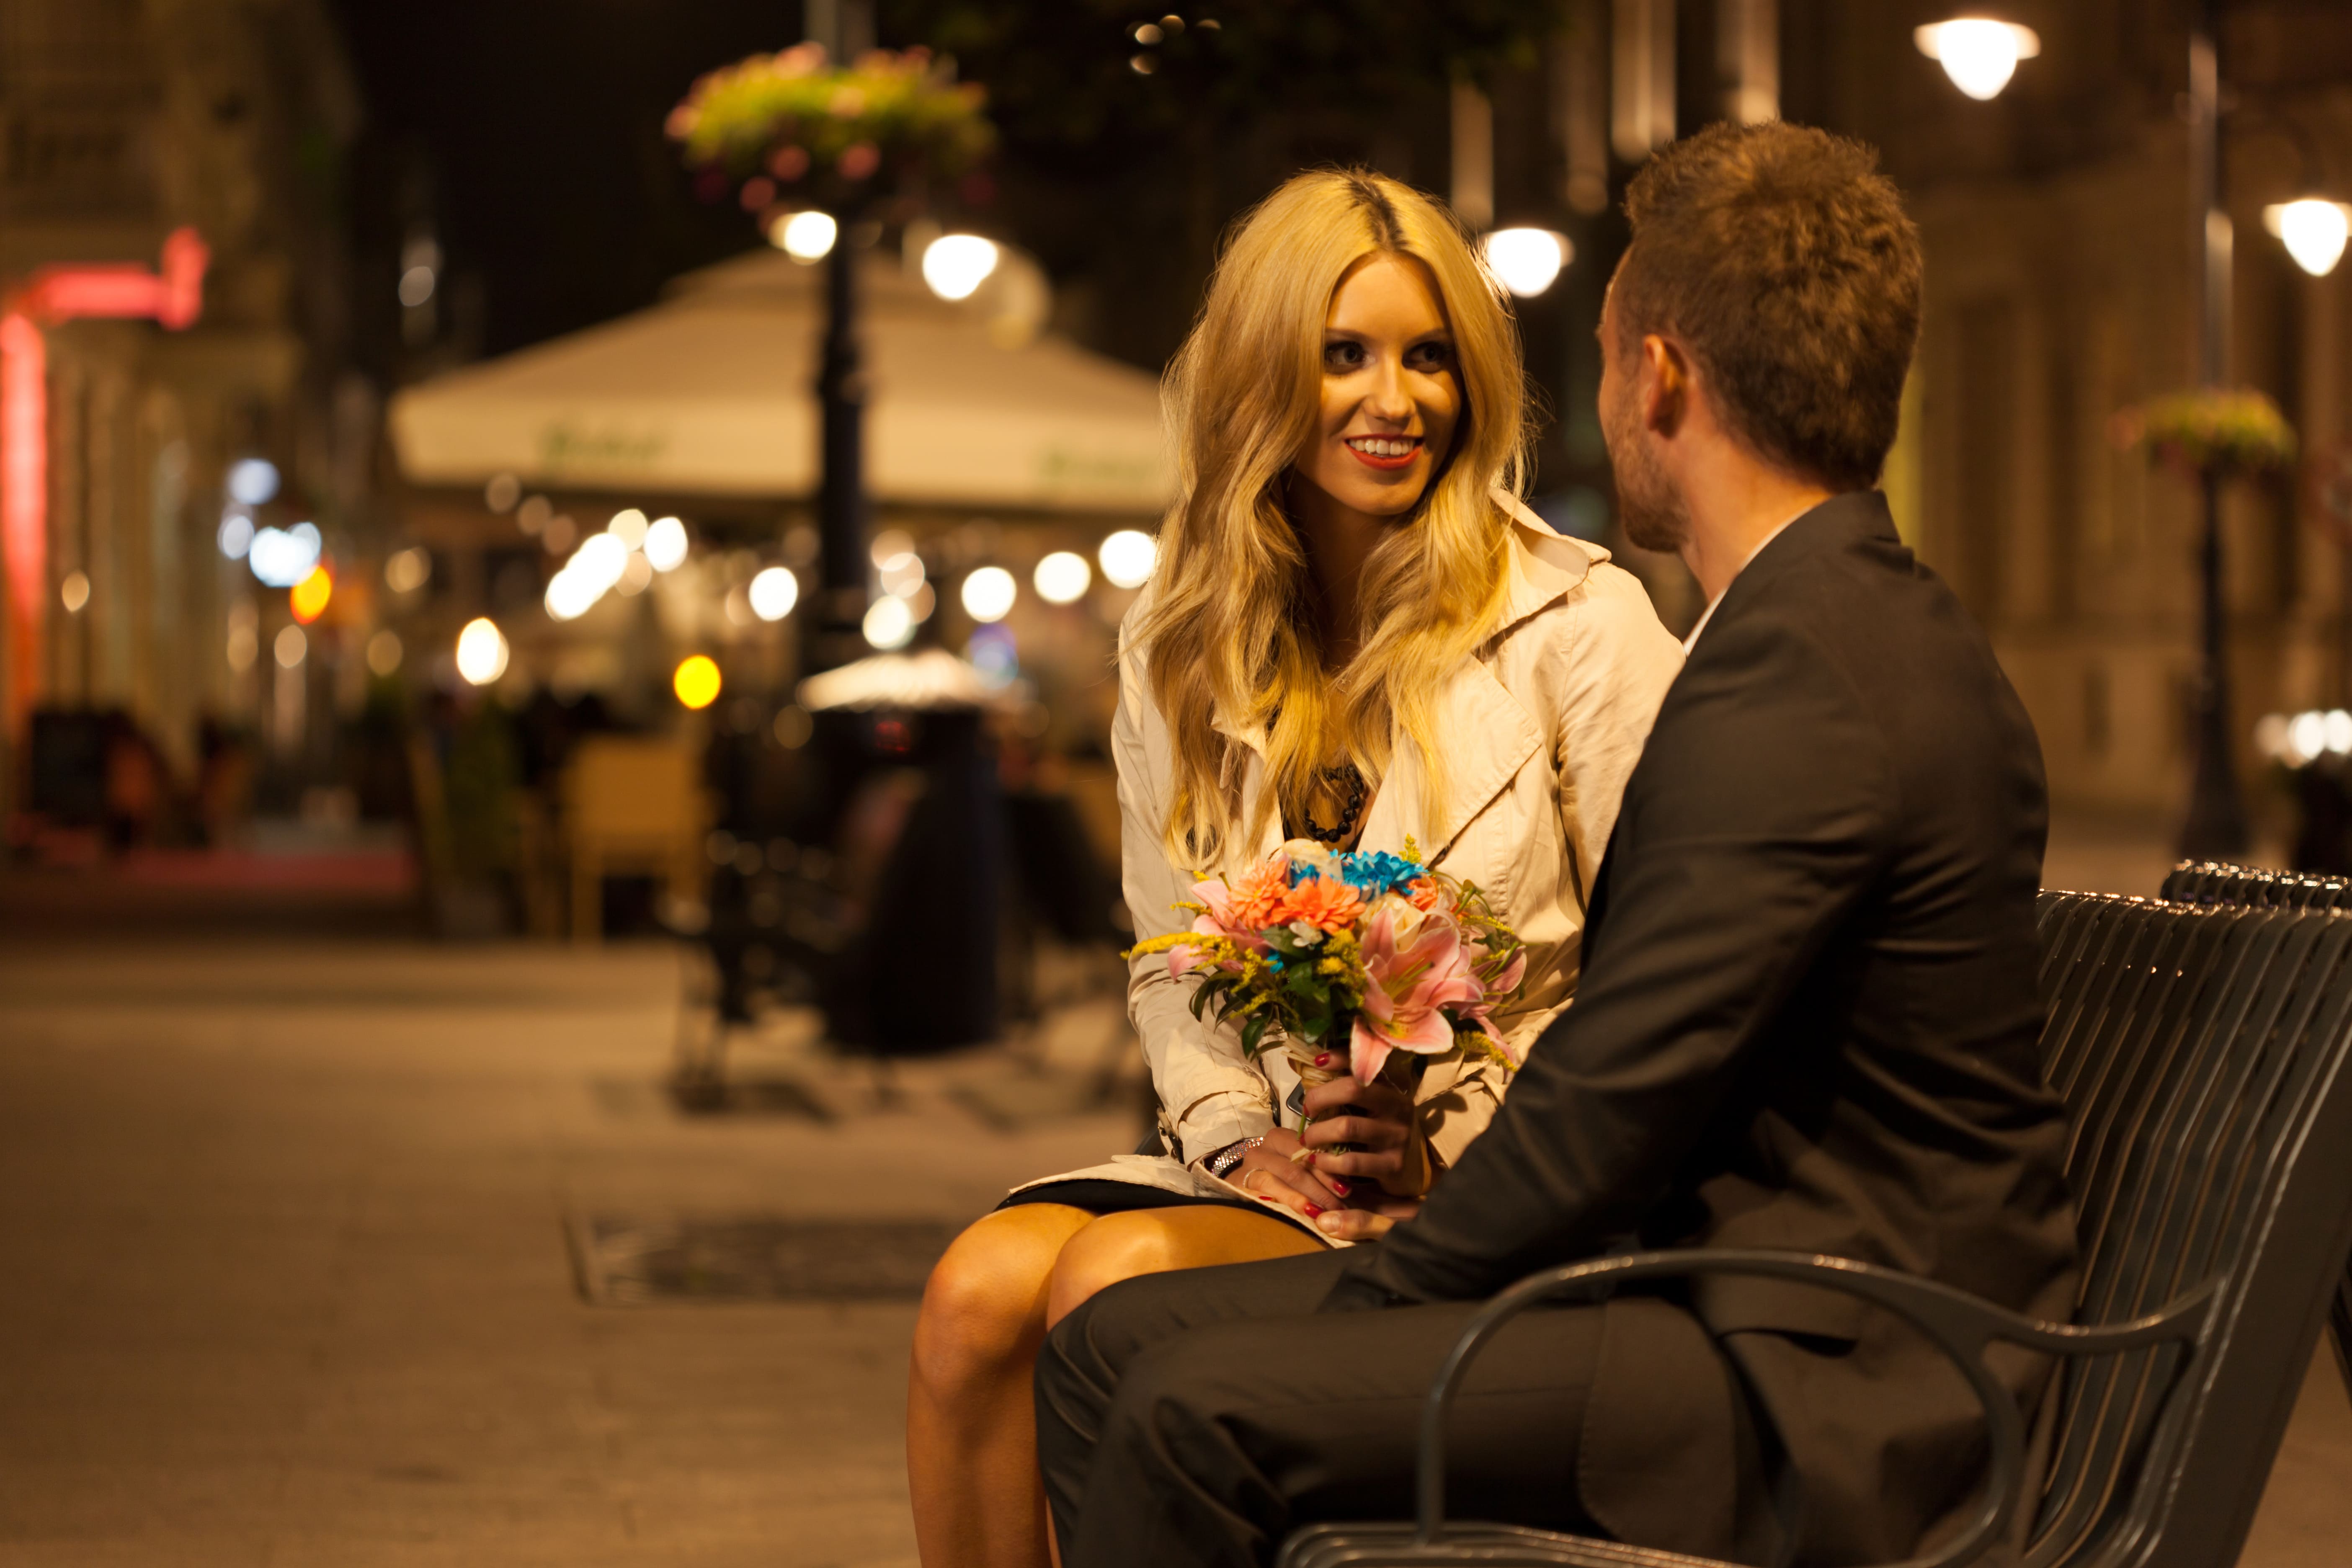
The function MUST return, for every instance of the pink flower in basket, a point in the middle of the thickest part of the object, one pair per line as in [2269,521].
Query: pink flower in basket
[1414,964]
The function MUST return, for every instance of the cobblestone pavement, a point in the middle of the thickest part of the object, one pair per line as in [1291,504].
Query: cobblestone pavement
[286,1280]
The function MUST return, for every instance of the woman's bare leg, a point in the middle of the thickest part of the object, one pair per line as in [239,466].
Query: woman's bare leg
[972,1422]
[1152,1241]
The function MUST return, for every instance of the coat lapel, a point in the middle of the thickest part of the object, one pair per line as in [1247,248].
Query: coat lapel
[1486,737]
[1485,734]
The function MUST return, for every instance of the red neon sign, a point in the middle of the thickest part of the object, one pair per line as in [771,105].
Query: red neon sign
[173,295]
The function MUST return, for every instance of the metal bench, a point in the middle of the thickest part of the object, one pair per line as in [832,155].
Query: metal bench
[2219,882]
[2200,1050]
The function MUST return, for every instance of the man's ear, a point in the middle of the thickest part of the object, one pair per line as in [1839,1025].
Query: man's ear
[1665,386]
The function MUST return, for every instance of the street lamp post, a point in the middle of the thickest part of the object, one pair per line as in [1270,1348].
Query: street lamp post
[833,636]
[2216,826]
[1980,55]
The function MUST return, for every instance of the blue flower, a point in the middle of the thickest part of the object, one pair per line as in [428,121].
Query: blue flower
[1376,872]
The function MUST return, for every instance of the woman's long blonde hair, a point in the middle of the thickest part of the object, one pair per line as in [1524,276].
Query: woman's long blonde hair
[1229,628]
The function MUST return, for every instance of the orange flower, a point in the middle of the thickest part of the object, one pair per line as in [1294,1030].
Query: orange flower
[1323,902]
[1422,893]
[1258,894]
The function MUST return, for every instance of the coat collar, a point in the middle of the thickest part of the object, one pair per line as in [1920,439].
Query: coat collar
[1541,568]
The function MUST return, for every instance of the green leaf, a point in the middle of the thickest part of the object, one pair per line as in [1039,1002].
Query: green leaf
[1252,1033]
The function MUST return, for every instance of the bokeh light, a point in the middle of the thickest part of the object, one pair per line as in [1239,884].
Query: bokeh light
[73,593]
[1979,54]
[253,481]
[665,544]
[281,557]
[695,681]
[804,237]
[987,593]
[628,526]
[774,591]
[889,624]
[289,647]
[481,651]
[956,264]
[236,534]
[405,571]
[2313,232]
[384,651]
[307,599]
[1527,261]
[1127,558]
[1062,577]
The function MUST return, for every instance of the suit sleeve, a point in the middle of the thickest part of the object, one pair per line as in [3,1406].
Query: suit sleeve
[1754,822]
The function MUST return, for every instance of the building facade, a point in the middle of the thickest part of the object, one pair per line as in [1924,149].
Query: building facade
[122,121]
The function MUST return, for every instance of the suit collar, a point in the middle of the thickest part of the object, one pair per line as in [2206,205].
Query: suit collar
[1834,525]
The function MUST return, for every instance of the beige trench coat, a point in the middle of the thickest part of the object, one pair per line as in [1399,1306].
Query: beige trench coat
[1541,728]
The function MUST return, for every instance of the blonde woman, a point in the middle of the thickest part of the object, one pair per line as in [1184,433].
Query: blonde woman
[1357,633]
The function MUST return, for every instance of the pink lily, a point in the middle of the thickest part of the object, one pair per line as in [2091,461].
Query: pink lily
[1414,964]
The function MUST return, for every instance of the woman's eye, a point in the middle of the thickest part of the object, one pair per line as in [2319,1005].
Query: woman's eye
[1430,356]
[1342,356]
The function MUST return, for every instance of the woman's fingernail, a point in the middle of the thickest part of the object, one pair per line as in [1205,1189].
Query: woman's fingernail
[1338,1186]
[1328,1222]
[1324,1060]
[1314,1211]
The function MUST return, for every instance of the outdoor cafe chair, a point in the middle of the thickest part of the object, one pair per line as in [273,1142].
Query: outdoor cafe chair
[2201,1051]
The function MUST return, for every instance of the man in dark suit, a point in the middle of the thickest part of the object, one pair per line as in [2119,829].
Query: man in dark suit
[1807,1020]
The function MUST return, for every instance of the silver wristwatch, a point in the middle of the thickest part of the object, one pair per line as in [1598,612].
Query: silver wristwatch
[1226,1158]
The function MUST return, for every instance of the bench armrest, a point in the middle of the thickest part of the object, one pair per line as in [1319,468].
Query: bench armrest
[1958,1324]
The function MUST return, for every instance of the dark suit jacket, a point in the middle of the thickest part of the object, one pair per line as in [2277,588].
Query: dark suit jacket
[1808,1020]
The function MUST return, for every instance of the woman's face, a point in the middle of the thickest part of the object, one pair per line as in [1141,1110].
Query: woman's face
[1391,395]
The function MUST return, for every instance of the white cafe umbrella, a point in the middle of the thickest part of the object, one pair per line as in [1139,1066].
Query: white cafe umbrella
[711,393]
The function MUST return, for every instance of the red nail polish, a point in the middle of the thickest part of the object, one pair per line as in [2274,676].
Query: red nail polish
[1324,1060]
[1339,1186]
[1314,1212]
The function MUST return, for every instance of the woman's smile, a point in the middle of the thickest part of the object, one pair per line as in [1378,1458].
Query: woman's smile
[1385,452]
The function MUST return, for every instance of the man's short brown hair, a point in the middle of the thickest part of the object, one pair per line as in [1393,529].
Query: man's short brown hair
[1784,260]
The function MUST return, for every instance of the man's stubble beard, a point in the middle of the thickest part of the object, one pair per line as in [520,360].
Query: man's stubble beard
[1652,509]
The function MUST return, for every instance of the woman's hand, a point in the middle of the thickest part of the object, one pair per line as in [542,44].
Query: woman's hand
[1270,1171]
[1377,1118]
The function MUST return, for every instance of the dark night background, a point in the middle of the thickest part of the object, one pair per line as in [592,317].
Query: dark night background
[526,136]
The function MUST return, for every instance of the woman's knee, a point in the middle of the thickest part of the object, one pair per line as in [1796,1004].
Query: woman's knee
[1114,1247]
[984,1303]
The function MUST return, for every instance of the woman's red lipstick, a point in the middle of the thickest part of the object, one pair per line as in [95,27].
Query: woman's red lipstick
[1404,459]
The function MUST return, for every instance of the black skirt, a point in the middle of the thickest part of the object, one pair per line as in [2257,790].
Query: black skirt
[1098,1196]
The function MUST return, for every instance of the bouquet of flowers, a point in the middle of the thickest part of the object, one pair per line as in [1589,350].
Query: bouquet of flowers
[1371,953]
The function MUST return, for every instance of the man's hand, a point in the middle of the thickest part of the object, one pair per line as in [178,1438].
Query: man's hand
[1363,1221]
[1377,1118]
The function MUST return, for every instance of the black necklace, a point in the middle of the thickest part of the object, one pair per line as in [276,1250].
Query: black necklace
[1344,776]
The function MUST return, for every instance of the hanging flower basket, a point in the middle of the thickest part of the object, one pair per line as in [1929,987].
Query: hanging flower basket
[2221,433]
[790,129]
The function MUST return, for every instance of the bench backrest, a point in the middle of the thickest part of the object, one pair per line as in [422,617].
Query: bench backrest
[2201,1051]
[2219,882]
